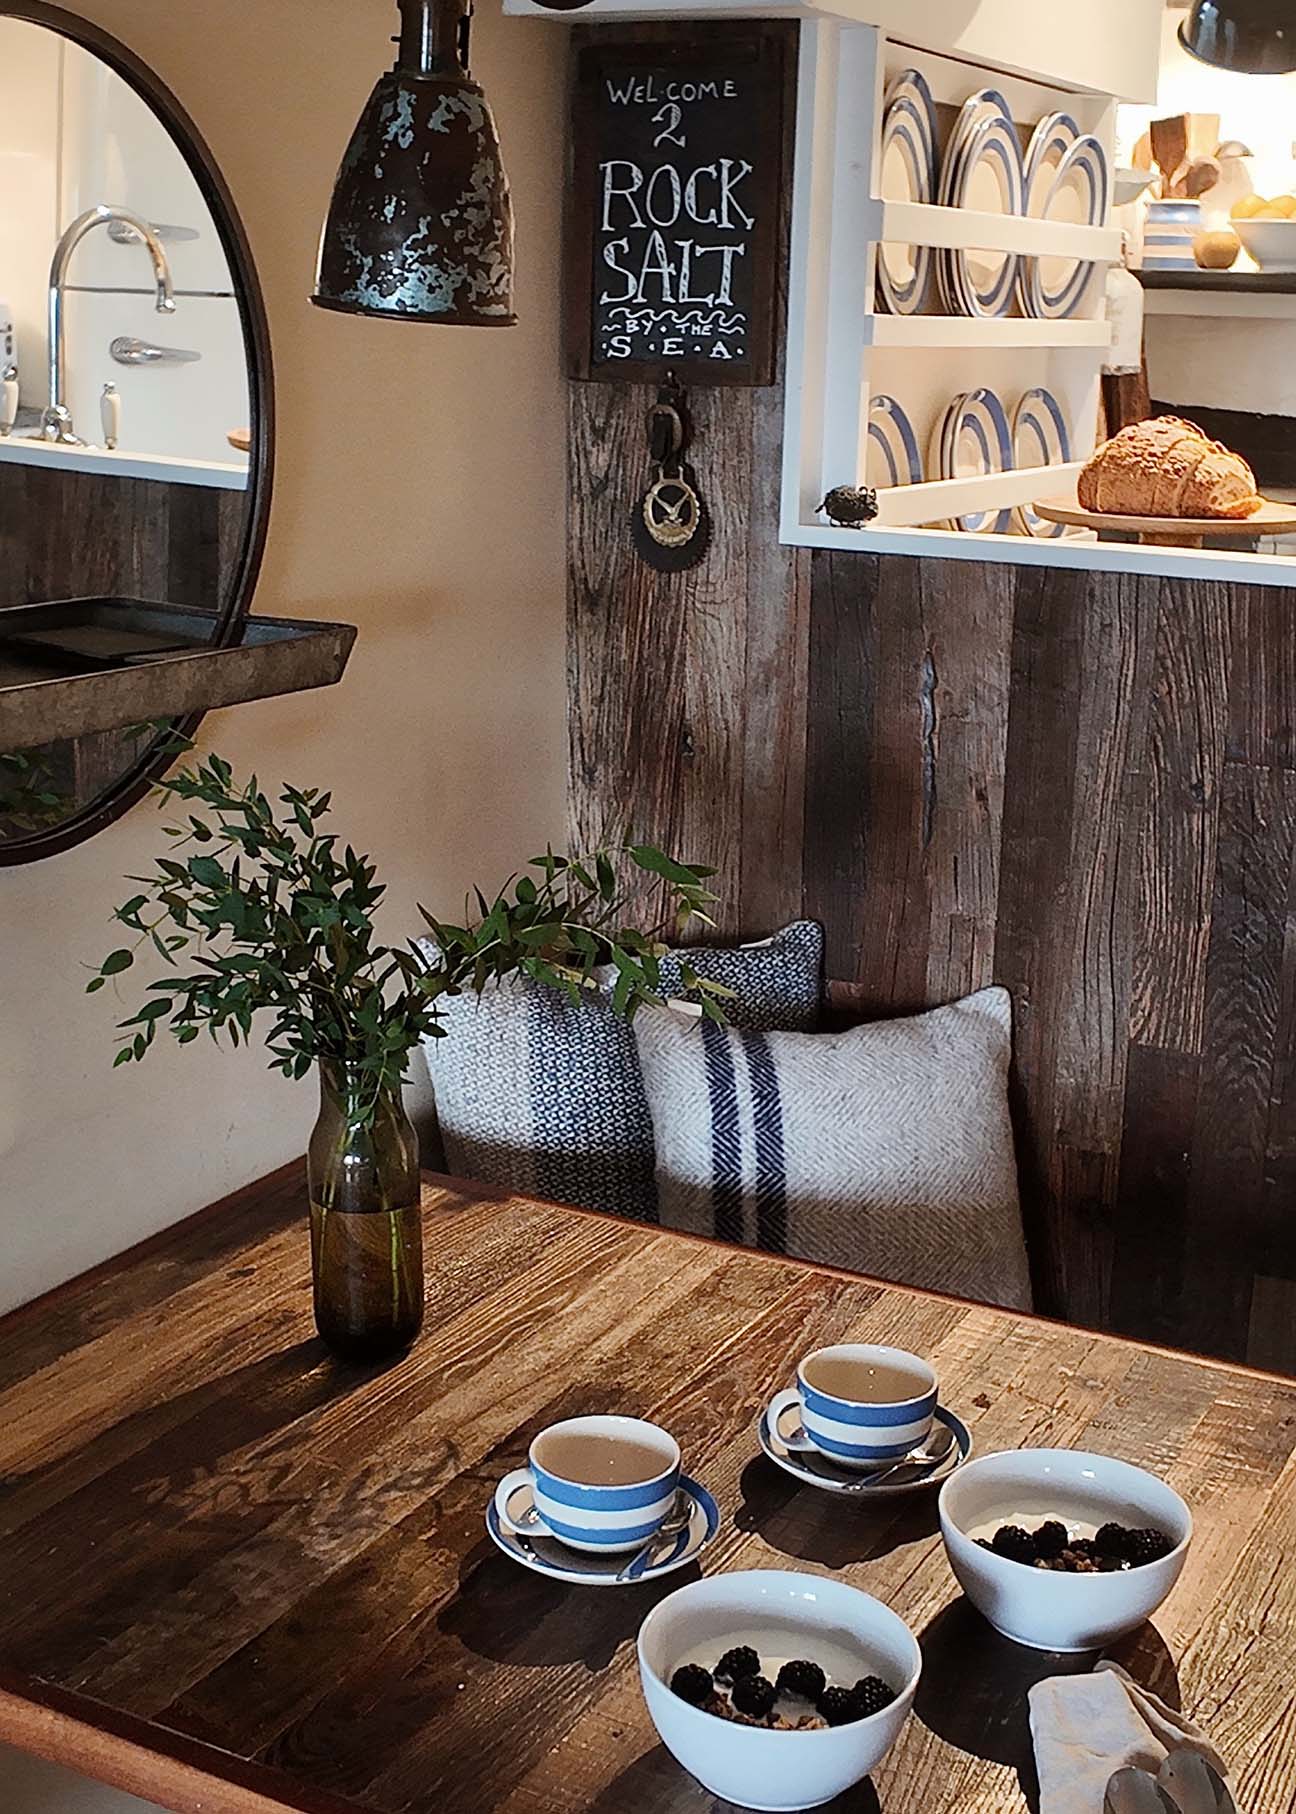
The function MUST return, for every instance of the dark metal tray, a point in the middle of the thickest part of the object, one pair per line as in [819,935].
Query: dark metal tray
[94,664]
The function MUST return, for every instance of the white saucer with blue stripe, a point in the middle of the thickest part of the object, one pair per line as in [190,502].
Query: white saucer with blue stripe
[547,1556]
[813,1469]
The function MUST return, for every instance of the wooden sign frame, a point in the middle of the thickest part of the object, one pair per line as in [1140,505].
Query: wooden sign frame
[753,60]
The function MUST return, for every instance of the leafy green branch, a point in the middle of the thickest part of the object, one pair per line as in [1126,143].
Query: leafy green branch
[258,910]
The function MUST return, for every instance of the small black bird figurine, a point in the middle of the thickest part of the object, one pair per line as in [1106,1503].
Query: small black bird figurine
[850,506]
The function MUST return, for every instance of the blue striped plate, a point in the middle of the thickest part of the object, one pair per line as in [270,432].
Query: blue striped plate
[817,1470]
[549,1557]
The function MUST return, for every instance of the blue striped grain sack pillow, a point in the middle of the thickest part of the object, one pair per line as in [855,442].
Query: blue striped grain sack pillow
[541,1096]
[886,1149]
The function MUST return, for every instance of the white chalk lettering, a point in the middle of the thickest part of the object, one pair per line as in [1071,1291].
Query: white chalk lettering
[691,202]
[640,91]
[611,191]
[668,118]
[671,213]
[630,293]
[686,250]
[729,180]
[727,254]
[656,263]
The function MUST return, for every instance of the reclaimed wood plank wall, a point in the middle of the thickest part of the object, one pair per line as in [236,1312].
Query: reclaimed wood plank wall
[71,534]
[1080,785]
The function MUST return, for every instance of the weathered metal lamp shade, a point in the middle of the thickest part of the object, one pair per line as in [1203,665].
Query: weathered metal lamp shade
[1254,37]
[421,226]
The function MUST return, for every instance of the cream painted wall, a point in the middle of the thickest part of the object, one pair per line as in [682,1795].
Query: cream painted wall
[419,494]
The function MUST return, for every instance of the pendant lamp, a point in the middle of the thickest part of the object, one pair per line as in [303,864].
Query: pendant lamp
[1253,37]
[420,227]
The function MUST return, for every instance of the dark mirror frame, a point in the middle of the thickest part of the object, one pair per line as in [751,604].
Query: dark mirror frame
[233,609]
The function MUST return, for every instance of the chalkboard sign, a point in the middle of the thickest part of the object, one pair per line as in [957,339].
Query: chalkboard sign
[677,185]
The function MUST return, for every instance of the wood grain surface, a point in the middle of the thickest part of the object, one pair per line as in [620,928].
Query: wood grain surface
[1075,784]
[75,535]
[236,1575]
[72,535]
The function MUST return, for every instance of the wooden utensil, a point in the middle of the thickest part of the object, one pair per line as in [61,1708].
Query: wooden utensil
[1203,134]
[1201,176]
[1170,148]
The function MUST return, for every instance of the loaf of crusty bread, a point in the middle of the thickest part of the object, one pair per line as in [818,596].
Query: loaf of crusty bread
[1167,467]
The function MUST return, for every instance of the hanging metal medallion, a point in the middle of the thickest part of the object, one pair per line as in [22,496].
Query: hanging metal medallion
[670,525]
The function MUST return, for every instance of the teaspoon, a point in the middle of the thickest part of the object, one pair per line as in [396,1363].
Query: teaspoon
[676,1520]
[1133,1791]
[927,1455]
[1193,1784]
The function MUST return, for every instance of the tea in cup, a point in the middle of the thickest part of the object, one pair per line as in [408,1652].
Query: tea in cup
[862,1406]
[600,1484]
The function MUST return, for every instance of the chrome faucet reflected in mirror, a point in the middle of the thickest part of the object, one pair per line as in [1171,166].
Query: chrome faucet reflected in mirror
[56,420]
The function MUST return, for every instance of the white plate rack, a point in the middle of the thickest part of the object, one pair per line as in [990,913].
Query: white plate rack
[843,349]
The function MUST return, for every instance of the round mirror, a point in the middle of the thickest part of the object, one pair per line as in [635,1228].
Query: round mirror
[135,407]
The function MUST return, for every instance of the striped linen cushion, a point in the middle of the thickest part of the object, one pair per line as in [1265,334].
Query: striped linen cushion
[886,1149]
[542,1096]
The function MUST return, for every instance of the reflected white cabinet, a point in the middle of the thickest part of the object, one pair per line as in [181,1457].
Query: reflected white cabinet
[115,150]
[185,409]
[29,188]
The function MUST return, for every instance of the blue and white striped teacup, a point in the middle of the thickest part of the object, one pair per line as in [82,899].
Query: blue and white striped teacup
[598,1483]
[861,1406]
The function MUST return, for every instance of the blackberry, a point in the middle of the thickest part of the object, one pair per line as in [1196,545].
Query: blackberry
[1084,1547]
[1111,1539]
[1012,1541]
[872,1694]
[1050,1539]
[838,1706]
[806,1680]
[692,1683]
[1146,1546]
[736,1663]
[754,1695]
[1111,1565]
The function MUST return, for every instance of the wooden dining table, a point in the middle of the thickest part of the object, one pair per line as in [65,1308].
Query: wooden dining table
[238,1576]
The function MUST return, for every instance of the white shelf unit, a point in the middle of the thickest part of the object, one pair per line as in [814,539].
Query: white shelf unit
[843,350]
[1109,47]
[954,333]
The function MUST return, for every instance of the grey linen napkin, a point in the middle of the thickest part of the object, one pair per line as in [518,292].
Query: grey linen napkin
[1086,1726]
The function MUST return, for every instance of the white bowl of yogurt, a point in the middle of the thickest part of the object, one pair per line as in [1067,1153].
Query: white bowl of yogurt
[783,1615]
[1026,1487]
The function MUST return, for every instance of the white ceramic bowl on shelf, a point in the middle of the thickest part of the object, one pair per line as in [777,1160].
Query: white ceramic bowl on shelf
[1038,1607]
[1272,243]
[784,1614]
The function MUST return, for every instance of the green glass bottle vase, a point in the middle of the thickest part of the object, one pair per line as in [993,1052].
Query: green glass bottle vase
[366,1223]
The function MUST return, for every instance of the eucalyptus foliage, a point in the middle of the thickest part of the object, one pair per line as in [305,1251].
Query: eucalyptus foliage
[258,910]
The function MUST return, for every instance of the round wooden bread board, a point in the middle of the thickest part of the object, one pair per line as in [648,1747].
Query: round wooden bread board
[1270,519]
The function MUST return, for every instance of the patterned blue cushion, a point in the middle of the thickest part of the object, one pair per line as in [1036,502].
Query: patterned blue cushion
[542,1096]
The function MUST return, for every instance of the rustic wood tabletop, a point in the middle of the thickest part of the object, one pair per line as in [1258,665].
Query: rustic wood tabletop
[236,1576]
